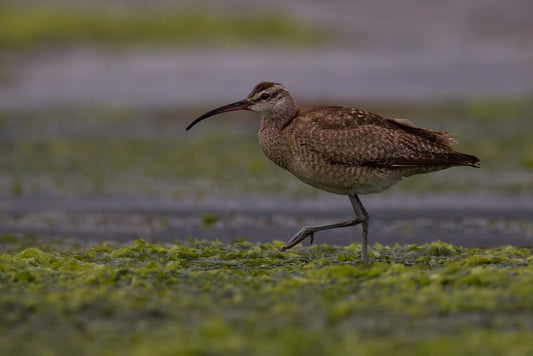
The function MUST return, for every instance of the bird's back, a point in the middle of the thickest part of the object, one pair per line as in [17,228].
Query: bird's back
[341,148]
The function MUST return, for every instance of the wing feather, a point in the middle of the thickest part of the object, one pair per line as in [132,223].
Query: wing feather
[354,137]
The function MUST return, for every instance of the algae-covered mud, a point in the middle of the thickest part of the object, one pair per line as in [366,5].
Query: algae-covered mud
[197,297]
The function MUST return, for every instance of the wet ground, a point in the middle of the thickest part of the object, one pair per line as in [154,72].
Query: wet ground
[476,221]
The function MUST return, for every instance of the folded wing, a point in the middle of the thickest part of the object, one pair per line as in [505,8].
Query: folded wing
[357,138]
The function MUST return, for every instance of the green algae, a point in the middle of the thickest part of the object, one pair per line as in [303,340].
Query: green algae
[201,297]
[209,219]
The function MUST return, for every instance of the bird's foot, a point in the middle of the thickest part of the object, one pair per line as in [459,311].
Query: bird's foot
[300,235]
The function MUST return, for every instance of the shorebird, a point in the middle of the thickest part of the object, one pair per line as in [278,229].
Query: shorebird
[343,150]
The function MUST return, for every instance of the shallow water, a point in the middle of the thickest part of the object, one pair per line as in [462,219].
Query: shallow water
[184,77]
[474,221]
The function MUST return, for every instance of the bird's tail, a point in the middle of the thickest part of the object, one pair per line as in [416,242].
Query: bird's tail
[469,160]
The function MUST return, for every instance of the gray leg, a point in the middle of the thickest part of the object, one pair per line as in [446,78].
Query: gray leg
[361,212]
[310,230]
[361,217]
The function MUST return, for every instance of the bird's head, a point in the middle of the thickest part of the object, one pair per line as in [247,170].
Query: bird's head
[270,100]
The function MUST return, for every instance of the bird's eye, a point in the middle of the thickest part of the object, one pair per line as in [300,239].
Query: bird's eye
[265,96]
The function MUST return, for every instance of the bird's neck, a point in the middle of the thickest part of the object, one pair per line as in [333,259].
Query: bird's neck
[273,141]
[281,117]
[272,135]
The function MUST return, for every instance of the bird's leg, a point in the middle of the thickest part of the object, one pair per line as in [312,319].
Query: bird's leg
[361,217]
[310,230]
[362,214]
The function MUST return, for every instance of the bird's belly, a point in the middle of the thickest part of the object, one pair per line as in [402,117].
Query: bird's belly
[341,179]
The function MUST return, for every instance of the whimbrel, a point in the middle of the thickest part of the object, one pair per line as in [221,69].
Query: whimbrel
[343,150]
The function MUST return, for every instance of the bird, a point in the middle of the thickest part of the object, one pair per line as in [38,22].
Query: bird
[342,150]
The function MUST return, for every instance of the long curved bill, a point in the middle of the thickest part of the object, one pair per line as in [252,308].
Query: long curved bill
[239,105]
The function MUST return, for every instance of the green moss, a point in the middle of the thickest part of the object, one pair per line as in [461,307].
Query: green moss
[209,219]
[200,297]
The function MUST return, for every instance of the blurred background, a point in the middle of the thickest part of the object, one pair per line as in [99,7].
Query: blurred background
[95,96]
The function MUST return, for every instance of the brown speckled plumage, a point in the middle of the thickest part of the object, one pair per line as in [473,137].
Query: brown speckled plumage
[343,150]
